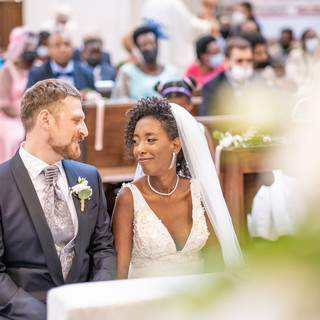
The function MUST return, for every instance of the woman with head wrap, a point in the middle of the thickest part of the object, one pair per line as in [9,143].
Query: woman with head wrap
[20,56]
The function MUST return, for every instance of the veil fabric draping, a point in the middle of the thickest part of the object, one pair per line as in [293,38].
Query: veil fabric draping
[201,167]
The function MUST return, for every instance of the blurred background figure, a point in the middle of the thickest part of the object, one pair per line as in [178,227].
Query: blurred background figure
[303,64]
[180,92]
[230,84]
[179,28]
[208,10]
[209,61]
[62,22]
[248,26]
[242,12]
[103,73]
[225,26]
[259,49]
[262,63]
[42,50]
[134,55]
[61,66]
[92,33]
[279,51]
[20,56]
[138,81]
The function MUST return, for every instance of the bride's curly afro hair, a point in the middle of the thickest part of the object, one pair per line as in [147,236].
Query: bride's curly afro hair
[159,109]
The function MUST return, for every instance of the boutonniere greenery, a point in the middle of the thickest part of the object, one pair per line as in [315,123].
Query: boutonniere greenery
[82,191]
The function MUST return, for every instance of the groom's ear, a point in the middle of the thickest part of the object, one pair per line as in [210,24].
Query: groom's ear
[176,144]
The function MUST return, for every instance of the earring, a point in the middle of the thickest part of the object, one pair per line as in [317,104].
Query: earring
[173,158]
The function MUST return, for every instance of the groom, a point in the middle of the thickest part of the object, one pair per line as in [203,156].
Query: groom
[47,238]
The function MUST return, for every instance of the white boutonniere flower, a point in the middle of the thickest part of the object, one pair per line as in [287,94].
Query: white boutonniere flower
[82,191]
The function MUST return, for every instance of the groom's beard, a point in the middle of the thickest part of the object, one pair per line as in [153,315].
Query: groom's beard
[68,151]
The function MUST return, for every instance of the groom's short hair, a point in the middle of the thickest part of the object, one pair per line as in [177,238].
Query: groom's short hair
[44,95]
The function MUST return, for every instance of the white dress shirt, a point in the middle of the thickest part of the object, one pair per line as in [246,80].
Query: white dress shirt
[69,68]
[35,167]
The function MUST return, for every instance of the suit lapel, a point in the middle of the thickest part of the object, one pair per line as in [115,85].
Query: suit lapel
[49,70]
[80,243]
[34,208]
[77,77]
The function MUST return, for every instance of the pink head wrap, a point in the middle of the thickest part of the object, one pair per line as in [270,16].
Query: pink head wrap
[19,38]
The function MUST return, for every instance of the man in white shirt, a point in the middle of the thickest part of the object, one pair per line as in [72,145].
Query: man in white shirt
[39,251]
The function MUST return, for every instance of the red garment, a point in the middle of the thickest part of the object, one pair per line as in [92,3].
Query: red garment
[201,78]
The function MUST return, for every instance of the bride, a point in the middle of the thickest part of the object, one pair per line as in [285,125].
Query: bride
[163,219]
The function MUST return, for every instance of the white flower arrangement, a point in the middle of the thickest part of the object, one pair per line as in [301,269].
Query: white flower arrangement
[248,139]
[82,191]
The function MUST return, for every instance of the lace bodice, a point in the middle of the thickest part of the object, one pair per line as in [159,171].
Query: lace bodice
[154,251]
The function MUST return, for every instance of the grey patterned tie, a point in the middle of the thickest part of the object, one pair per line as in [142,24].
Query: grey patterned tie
[59,219]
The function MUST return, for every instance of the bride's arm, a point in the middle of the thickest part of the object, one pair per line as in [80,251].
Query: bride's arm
[122,227]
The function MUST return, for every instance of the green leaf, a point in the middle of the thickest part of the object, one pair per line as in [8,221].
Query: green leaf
[84,194]
[218,134]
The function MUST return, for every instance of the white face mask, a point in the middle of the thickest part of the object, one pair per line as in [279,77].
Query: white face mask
[42,51]
[237,18]
[216,59]
[311,44]
[240,74]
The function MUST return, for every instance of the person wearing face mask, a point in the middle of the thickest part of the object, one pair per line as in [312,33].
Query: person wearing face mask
[91,56]
[242,12]
[303,64]
[42,50]
[136,81]
[279,51]
[20,56]
[231,83]
[262,63]
[209,62]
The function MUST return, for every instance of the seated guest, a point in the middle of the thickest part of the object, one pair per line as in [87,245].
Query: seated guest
[230,83]
[262,63]
[279,51]
[180,92]
[138,81]
[42,50]
[61,65]
[92,56]
[20,56]
[242,12]
[133,53]
[303,64]
[209,63]
[91,34]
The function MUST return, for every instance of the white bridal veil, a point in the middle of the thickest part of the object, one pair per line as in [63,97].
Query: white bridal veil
[201,167]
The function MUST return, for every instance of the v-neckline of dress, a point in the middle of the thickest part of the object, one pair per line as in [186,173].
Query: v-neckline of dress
[165,228]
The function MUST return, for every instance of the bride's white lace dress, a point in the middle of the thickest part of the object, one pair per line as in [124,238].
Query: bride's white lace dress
[154,251]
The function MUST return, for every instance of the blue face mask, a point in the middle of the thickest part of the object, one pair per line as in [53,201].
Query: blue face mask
[216,59]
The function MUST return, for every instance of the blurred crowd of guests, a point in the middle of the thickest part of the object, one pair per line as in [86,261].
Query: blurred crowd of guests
[222,55]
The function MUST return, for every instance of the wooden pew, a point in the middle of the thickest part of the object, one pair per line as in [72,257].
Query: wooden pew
[110,161]
[242,171]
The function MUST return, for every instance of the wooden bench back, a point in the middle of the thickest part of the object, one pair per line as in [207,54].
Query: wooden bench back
[112,153]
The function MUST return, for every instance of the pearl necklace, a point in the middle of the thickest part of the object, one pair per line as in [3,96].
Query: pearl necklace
[161,193]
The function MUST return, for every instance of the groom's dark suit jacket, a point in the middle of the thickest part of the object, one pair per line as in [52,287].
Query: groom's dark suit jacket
[29,264]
